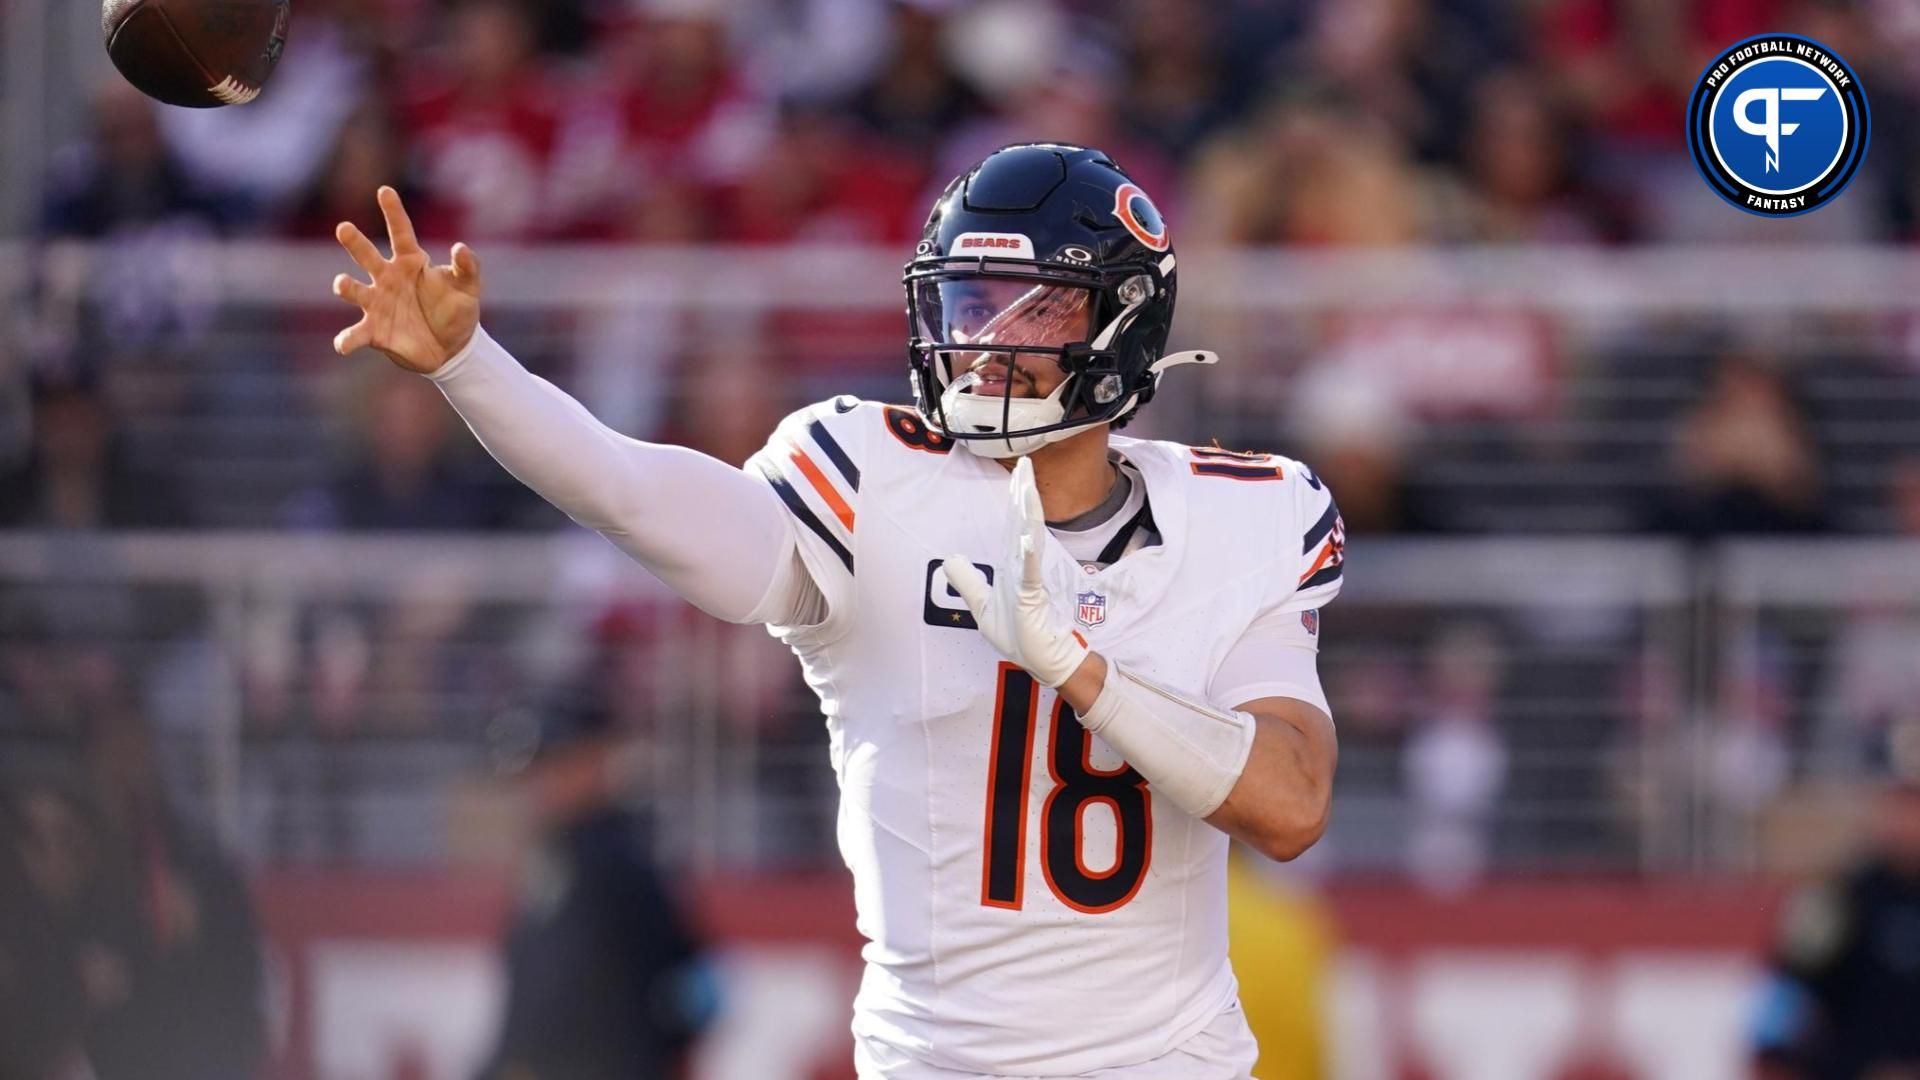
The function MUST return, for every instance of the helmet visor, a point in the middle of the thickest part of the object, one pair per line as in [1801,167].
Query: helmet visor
[1002,313]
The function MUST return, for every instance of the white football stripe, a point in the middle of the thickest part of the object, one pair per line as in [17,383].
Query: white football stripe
[233,91]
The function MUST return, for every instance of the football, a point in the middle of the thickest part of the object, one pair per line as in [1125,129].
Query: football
[198,53]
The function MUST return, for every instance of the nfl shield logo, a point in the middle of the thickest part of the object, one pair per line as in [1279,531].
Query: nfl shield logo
[1092,609]
[1311,620]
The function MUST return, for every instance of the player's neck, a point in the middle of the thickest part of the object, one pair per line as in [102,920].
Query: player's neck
[1073,475]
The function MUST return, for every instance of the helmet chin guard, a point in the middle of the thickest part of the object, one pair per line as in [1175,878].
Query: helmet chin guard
[988,417]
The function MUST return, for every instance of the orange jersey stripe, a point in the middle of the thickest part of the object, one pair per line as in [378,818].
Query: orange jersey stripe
[1326,552]
[820,484]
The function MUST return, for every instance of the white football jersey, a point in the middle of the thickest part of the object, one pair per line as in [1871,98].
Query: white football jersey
[1030,907]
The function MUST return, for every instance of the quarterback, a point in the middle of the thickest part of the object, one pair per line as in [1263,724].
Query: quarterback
[1060,667]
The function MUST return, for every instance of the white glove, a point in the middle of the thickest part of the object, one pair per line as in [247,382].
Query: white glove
[1018,616]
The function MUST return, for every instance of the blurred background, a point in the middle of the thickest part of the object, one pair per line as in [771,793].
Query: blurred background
[326,751]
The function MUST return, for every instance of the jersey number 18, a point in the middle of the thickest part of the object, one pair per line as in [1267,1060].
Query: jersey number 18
[1076,786]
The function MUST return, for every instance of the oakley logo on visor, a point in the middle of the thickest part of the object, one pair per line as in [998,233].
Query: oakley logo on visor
[1010,245]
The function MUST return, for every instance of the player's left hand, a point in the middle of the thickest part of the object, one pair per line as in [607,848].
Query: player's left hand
[1015,612]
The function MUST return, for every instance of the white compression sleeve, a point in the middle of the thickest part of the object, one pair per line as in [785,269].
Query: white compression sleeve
[1188,750]
[717,536]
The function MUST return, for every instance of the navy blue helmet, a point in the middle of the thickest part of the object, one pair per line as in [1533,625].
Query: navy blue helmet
[1046,249]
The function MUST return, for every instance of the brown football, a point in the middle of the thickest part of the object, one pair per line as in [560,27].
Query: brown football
[197,53]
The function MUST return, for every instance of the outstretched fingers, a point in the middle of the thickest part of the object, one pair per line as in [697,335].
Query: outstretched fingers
[352,291]
[357,336]
[399,225]
[364,254]
[466,267]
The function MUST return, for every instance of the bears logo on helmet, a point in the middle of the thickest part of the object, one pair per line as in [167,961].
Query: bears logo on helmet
[1141,217]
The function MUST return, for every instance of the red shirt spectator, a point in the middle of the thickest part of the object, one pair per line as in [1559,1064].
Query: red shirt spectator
[484,128]
[824,181]
[663,120]
[1631,66]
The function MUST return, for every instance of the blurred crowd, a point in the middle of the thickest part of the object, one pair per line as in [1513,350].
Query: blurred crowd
[1309,122]
[128,944]
[1256,122]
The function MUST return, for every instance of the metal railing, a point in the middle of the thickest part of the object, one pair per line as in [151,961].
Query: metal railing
[1524,390]
[1515,705]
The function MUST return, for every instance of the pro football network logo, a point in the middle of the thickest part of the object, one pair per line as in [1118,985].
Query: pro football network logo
[1778,125]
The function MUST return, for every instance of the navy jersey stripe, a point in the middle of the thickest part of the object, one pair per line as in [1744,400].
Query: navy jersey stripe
[1330,574]
[1238,472]
[792,498]
[1320,528]
[834,454]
